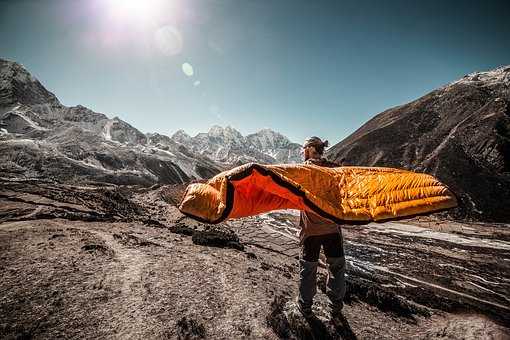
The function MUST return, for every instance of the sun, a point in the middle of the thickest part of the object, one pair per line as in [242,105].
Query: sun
[135,10]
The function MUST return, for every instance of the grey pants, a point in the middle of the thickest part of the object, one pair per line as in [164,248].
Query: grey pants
[335,286]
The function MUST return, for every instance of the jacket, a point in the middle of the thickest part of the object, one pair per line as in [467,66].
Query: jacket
[312,224]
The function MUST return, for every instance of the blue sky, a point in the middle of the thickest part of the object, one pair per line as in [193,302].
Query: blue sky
[299,67]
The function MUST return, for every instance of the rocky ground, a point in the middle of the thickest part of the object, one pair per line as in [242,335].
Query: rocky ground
[122,262]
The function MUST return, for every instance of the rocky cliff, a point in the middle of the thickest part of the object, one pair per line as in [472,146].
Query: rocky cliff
[459,133]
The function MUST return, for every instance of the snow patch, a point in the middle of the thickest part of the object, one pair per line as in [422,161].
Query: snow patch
[21,141]
[107,129]
[492,77]
[410,230]
[16,111]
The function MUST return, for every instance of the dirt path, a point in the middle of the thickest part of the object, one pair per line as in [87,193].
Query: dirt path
[134,264]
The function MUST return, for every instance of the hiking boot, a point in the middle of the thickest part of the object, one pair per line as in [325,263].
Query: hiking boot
[341,324]
[306,311]
[336,310]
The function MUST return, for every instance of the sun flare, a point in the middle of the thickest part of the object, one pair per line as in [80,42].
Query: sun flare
[135,10]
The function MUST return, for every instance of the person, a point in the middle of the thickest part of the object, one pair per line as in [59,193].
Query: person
[317,232]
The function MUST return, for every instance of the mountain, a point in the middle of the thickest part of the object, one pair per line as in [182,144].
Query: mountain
[40,137]
[230,147]
[459,133]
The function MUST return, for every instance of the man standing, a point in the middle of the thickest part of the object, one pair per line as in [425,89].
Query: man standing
[317,232]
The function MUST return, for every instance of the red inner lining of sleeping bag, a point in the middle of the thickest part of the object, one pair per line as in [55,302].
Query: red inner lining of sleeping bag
[257,194]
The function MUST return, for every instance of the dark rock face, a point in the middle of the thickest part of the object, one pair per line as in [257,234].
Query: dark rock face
[459,133]
[207,235]
[16,84]
[217,237]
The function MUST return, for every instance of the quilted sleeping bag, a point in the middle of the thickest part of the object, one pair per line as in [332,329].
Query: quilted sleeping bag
[346,194]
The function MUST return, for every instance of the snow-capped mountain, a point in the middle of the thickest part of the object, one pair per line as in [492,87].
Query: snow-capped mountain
[276,145]
[40,137]
[228,146]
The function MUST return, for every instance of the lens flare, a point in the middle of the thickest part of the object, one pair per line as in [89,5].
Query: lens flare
[168,40]
[187,69]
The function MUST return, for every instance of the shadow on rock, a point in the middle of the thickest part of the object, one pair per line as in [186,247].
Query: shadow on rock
[359,289]
[288,323]
[190,329]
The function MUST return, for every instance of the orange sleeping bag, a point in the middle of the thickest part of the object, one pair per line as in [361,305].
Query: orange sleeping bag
[342,194]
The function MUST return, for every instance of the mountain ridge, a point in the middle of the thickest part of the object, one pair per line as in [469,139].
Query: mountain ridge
[459,133]
[92,146]
[228,146]
[76,143]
